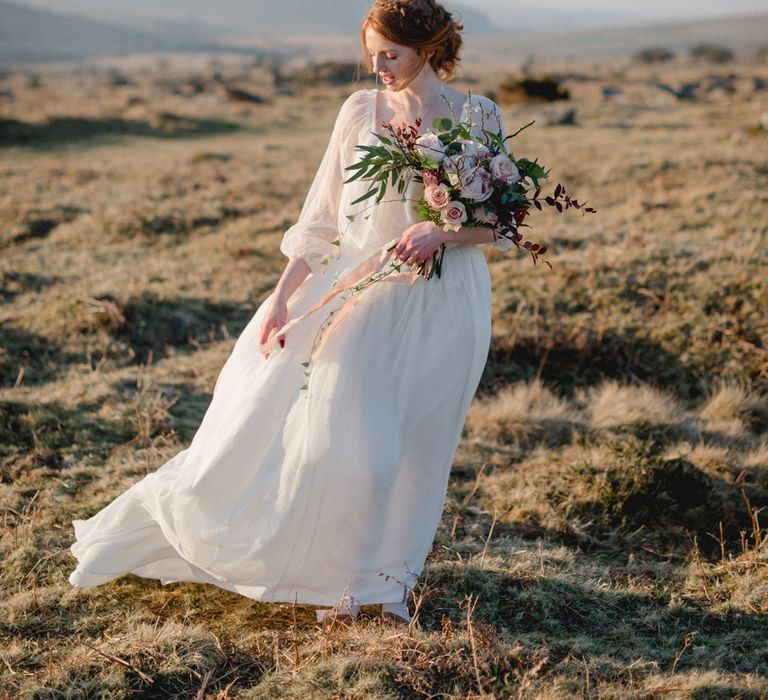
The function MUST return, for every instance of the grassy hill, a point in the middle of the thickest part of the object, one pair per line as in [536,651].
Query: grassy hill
[28,34]
[604,531]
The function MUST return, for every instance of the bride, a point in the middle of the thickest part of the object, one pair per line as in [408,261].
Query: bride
[330,492]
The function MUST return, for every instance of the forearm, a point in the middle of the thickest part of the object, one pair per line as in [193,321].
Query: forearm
[296,271]
[475,234]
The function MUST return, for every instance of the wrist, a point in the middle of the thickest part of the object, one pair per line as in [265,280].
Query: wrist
[444,235]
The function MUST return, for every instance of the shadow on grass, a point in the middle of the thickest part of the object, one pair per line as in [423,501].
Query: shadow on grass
[611,626]
[57,130]
[41,358]
[570,359]
[631,497]
[13,283]
[35,436]
[150,322]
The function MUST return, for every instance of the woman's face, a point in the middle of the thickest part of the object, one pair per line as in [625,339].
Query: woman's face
[392,62]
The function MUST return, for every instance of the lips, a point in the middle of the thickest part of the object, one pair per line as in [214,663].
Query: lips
[387,79]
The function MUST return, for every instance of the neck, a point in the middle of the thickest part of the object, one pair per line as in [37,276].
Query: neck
[422,93]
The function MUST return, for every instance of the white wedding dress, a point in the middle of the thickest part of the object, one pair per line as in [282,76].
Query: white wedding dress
[312,494]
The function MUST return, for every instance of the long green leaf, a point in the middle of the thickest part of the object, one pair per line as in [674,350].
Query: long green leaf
[368,194]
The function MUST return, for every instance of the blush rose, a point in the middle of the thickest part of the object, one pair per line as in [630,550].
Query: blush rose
[454,215]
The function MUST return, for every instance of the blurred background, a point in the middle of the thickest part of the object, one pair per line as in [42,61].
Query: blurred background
[606,504]
[34,30]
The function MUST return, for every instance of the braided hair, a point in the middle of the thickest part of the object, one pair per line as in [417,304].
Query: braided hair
[424,25]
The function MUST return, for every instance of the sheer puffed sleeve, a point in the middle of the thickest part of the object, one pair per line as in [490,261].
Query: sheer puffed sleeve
[485,111]
[310,238]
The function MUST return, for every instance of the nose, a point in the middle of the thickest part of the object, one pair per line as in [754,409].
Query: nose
[378,64]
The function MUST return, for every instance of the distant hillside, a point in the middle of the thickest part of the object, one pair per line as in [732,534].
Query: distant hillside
[28,34]
[744,33]
[245,17]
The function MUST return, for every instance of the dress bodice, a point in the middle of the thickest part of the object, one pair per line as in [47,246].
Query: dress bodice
[375,224]
[328,215]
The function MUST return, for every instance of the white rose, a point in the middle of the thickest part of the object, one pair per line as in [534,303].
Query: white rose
[459,169]
[437,196]
[479,187]
[503,168]
[430,146]
[473,149]
[454,215]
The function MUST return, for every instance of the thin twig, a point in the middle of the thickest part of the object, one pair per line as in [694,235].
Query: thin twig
[471,633]
[488,539]
[118,660]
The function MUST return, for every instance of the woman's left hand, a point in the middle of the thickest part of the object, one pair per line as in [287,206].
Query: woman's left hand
[418,242]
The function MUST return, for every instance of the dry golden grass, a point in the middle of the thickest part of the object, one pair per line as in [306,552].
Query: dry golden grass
[602,535]
[612,405]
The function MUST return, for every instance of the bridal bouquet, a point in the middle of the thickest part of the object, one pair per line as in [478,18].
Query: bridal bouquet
[468,181]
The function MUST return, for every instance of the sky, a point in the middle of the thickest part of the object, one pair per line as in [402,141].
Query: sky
[645,9]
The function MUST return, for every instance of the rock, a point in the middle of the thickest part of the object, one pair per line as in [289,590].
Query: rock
[329,73]
[544,89]
[720,83]
[686,91]
[240,95]
[554,116]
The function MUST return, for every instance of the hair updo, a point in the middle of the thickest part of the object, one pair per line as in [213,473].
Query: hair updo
[421,24]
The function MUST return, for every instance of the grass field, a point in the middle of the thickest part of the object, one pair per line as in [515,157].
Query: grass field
[603,532]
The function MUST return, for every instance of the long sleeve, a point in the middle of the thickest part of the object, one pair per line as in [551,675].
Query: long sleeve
[310,238]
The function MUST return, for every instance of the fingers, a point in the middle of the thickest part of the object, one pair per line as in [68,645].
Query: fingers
[280,338]
[271,326]
[266,331]
[409,257]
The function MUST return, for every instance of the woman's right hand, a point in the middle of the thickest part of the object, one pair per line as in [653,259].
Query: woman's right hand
[294,274]
[274,320]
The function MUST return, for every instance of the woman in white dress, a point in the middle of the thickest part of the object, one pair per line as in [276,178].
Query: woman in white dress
[329,490]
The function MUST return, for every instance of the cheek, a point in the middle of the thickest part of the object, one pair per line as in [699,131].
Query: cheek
[413,64]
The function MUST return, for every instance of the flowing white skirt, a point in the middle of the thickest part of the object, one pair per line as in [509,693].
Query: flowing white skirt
[287,494]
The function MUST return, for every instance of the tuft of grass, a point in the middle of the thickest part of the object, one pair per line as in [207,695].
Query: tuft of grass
[523,413]
[733,402]
[613,405]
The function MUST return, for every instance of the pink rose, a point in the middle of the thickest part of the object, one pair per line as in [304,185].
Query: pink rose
[437,196]
[479,188]
[454,215]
